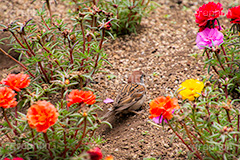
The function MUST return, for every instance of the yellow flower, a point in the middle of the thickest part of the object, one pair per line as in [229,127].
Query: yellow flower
[191,89]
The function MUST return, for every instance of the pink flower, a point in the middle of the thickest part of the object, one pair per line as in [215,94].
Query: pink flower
[108,100]
[159,119]
[17,158]
[95,154]
[208,37]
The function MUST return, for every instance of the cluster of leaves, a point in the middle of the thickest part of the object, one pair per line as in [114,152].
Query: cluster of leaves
[58,56]
[52,51]
[229,58]
[209,125]
[208,121]
[70,136]
[126,13]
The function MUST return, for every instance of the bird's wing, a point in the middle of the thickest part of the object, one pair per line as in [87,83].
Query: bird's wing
[128,96]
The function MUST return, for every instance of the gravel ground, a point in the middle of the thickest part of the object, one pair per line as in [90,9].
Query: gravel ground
[161,49]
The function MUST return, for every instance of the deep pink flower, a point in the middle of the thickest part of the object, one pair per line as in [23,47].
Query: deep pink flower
[95,153]
[234,14]
[207,13]
[207,36]
[159,119]
[17,158]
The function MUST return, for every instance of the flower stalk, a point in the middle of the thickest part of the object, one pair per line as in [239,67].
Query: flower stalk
[19,63]
[208,56]
[82,137]
[190,138]
[238,124]
[48,144]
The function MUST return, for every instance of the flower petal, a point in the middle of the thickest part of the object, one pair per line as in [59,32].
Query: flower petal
[108,100]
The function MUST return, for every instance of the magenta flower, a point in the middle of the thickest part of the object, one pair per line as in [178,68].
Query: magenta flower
[159,119]
[208,37]
[108,100]
[17,158]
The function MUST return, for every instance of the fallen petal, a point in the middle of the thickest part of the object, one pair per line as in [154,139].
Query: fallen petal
[108,100]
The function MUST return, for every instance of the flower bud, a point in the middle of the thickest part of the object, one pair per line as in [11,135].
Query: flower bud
[84,114]
[81,14]
[67,81]
[115,6]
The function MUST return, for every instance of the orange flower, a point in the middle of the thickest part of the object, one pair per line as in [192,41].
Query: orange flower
[77,96]
[7,99]
[17,81]
[163,106]
[109,157]
[42,115]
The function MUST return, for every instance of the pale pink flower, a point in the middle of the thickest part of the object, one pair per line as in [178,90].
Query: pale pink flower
[108,100]
[208,37]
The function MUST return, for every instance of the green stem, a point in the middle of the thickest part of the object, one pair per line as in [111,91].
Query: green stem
[219,60]
[229,119]
[47,144]
[39,63]
[49,8]
[224,52]
[44,22]
[51,55]
[5,116]
[210,62]
[83,34]
[65,143]
[8,122]
[83,135]
[16,109]
[33,140]
[19,63]
[238,122]
[190,149]
[19,42]
[10,139]
[100,47]
[190,138]
[102,39]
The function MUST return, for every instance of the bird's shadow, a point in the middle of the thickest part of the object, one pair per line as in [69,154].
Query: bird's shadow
[117,122]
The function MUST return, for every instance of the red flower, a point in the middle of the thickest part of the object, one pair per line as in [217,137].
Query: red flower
[77,96]
[95,154]
[163,106]
[208,12]
[234,14]
[17,158]
[17,81]
[7,99]
[42,115]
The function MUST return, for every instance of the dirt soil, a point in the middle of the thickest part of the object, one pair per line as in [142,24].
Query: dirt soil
[161,49]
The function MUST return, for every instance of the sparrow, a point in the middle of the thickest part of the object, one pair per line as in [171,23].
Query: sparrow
[131,97]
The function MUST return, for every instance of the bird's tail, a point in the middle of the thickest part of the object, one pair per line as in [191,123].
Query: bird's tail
[107,122]
[108,115]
